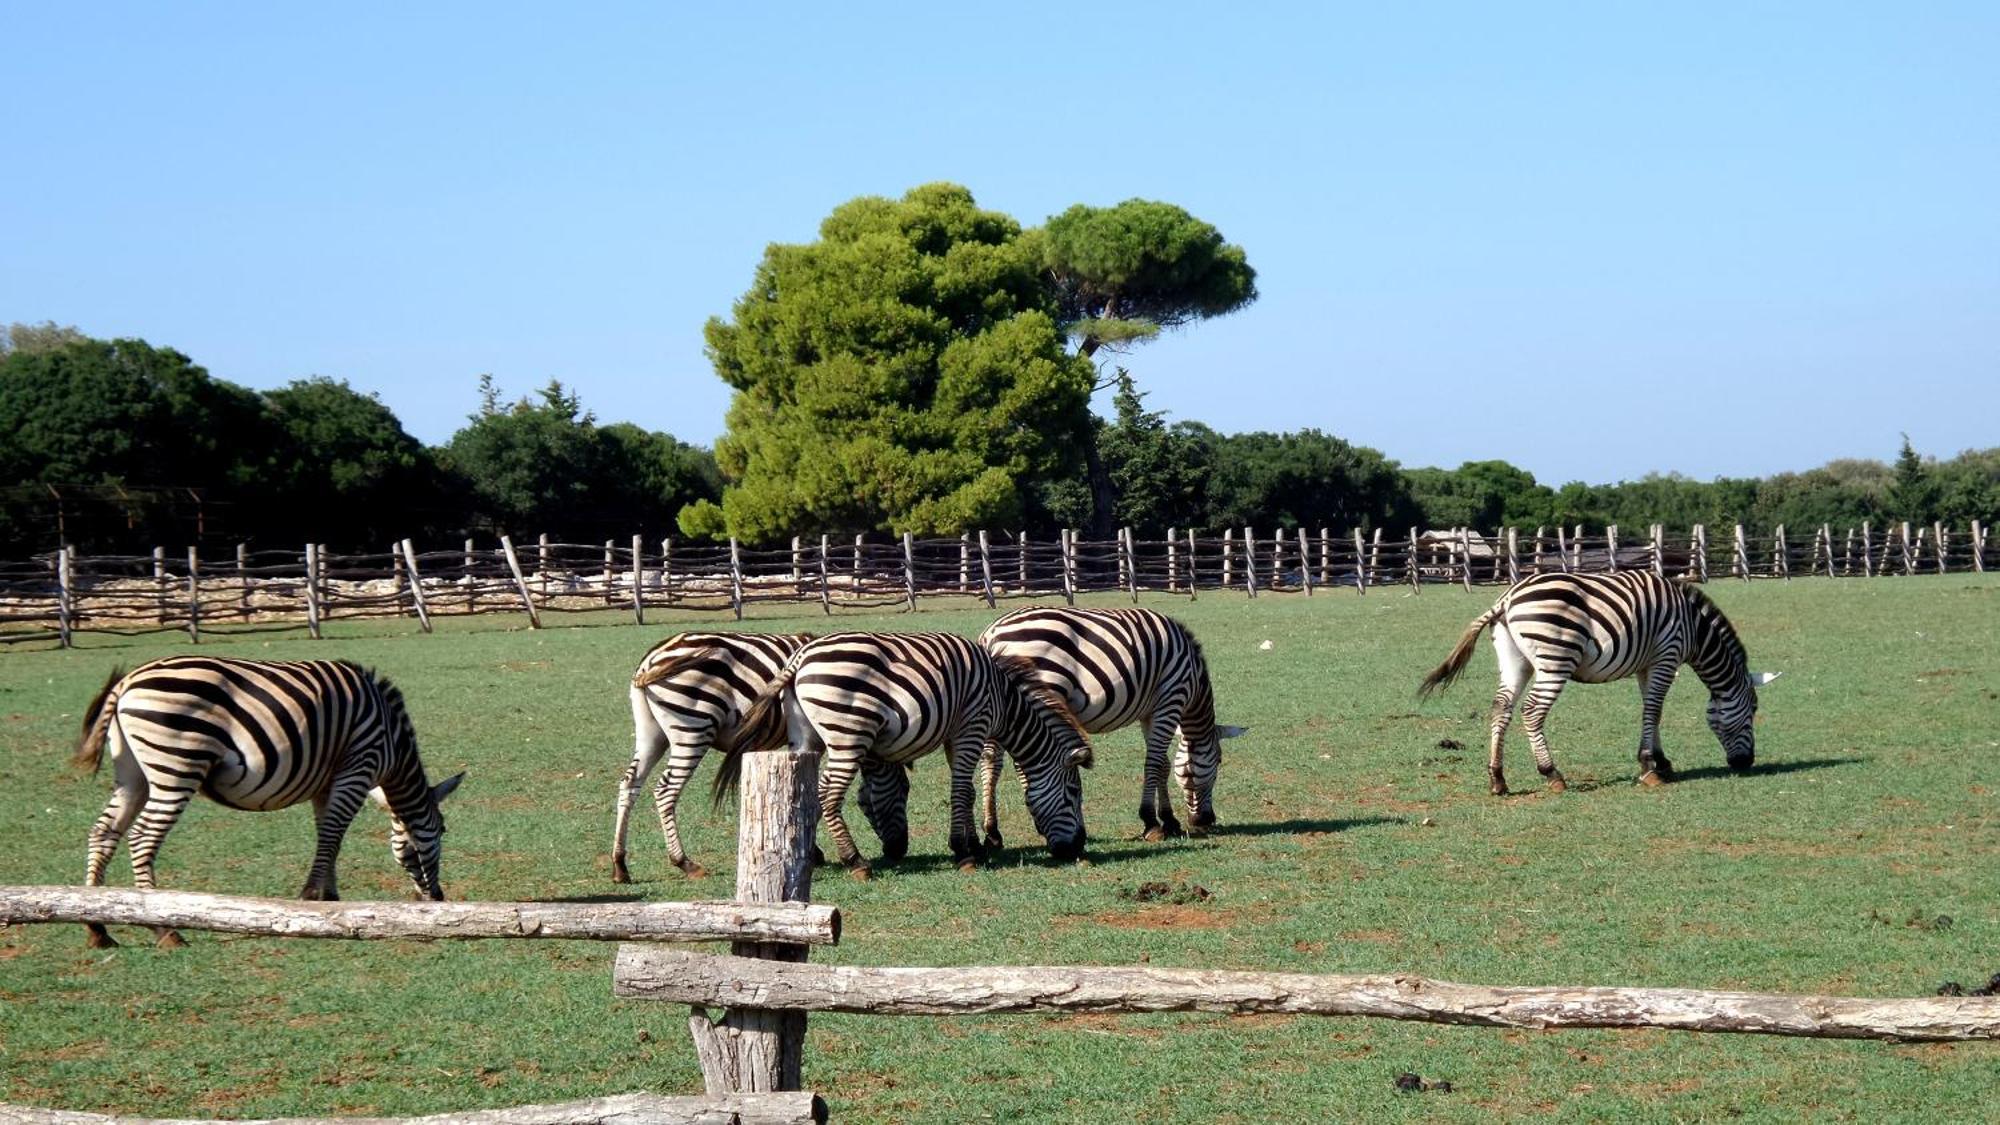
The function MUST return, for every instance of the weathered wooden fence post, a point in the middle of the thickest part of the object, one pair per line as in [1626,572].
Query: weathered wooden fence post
[1909,557]
[1978,547]
[854,586]
[1465,545]
[416,585]
[1325,556]
[1847,556]
[1781,555]
[542,561]
[667,570]
[1305,562]
[610,562]
[1867,550]
[964,561]
[1659,551]
[520,582]
[1513,555]
[638,579]
[1228,549]
[64,597]
[1741,563]
[1375,555]
[1250,561]
[1069,564]
[1173,561]
[471,581]
[753,1050]
[160,582]
[194,596]
[1021,560]
[986,568]
[243,580]
[1410,565]
[1611,547]
[1123,555]
[1699,548]
[1361,563]
[1131,564]
[735,578]
[1942,539]
[909,572]
[825,595]
[1826,536]
[798,570]
[312,590]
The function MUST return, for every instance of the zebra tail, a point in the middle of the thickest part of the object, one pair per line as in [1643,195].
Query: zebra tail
[97,725]
[670,667]
[1442,675]
[762,727]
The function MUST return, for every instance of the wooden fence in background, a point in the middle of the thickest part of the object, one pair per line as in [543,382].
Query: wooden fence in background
[54,597]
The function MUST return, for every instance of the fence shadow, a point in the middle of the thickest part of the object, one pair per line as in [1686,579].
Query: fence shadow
[1305,827]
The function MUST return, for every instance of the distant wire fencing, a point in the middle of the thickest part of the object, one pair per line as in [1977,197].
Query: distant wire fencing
[54,597]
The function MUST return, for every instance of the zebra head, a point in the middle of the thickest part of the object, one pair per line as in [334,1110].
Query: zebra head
[1732,711]
[416,836]
[1050,748]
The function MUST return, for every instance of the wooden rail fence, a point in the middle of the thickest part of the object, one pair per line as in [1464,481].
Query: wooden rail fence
[54,597]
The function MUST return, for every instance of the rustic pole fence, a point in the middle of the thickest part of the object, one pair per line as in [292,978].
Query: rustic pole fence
[312,590]
[639,579]
[986,569]
[416,586]
[521,581]
[735,578]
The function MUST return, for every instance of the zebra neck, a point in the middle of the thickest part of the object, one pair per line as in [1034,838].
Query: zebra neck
[1716,654]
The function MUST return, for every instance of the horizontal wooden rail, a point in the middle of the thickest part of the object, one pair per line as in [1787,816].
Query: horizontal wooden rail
[625,1109]
[664,974]
[791,922]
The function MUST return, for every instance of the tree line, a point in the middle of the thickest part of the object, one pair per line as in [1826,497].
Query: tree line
[925,365]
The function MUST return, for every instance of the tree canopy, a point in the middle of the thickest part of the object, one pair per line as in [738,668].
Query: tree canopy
[1121,274]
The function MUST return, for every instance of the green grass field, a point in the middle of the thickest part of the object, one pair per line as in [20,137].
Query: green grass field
[1352,843]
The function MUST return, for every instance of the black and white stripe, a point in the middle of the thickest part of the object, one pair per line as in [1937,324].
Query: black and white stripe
[686,690]
[259,735]
[1116,667]
[875,702]
[1595,628]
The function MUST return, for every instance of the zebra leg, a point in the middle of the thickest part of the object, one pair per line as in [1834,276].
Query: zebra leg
[991,764]
[966,754]
[885,801]
[1195,773]
[167,797]
[1535,714]
[1515,672]
[649,743]
[836,773]
[333,811]
[119,813]
[682,758]
[1156,808]
[1654,768]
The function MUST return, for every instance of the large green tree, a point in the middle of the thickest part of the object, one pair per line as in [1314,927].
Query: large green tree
[905,372]
[1304,479]
[1121,274]
[1159,472]
[354,477]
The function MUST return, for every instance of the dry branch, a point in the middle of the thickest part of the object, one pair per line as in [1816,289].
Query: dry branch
[664,974]
[796,923]
[625,1109]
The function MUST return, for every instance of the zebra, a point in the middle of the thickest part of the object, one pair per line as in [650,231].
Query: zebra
[1116,667]
[1596,628]
[875,702]
[687,689]
[258,735]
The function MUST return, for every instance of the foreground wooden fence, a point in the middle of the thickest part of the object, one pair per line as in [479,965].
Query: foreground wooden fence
[750,1051]
[54,597]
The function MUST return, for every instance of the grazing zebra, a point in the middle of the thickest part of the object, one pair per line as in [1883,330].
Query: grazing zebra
[1554,628]
[687,689]
[258,735]
[1116,667]
[878,701]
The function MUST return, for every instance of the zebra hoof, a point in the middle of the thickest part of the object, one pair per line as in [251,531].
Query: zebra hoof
[1498,787]
[993,841]
[99,939]
[860,873]
[692,869]
[1155,834]
[619,872]
[1651,778]
[1556,784]
[968,865]
[171,939]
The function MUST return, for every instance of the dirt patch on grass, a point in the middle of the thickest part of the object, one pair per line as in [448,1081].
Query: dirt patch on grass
[1378,937]
[1102,1024]
[1167,918]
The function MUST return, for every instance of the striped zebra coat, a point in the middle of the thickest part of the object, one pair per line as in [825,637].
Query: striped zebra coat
[875,702]
[259,735]
[1116,667]
[687,690]
[1595,628]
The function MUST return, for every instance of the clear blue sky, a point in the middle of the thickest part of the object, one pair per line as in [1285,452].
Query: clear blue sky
[1594,240]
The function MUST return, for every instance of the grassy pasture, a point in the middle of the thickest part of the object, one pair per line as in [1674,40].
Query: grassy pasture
[1352,843]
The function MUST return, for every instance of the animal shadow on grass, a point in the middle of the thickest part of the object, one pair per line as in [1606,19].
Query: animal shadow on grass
[1704,773]
[1302,827]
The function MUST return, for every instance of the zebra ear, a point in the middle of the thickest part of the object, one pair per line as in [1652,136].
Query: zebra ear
[1231,732]
[443,788]
[1759,679]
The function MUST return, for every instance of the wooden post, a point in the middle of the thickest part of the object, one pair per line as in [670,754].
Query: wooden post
[964,561]
[1909,558]
[1562,548]
[753,1050]
[542,561]
[1611,547]
[194,596]
[986,568]
[1699,546]
[1741,563]
[63,595]
[1978,547]
[1131,563]
[1305,560]
[798,572]
[312,590]
[667,569]
[1826,535]
[521,581]
[1192,584]
[610,561]
[909,572]
[160,581]
[1576,547]
[1021,560]
[1781,561]
[1416,583]
[1513,556]
[243,580]
[1174,561]
[825,595]
[1361,563]
[1465,545]
[1659,551]
[1375,555]
[1250,561]
[1068,548]
[1942,540]
[416,586]
[1535,551]
[471,582]
[1847,556]
[856,586]
[735,578]
[1325,556]
[1228,548]
[638,578]
[1867,551]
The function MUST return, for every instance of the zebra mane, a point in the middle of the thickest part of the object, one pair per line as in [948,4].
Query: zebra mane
[1019,671]
[1710,620]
